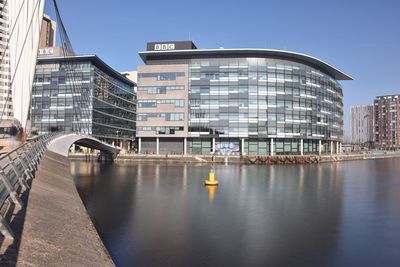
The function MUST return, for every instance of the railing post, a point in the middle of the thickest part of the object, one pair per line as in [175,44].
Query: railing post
[36,155]
[31,158]
[10,189]
[20,176]
[40,148]
[37,152]
[32,161]
[22,157]
[5,229]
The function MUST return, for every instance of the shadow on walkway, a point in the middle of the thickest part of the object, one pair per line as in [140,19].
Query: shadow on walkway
[15,216]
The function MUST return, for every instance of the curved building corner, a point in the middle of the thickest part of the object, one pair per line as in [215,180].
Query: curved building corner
[237,101]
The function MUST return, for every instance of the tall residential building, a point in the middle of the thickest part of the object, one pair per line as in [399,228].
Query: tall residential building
[18,59]
[5,89]
[47,32]
[362,120]
[237,101]
[83,94]
[387,121]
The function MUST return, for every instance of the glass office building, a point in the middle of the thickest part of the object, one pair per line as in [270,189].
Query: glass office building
[250,101]
[83,94]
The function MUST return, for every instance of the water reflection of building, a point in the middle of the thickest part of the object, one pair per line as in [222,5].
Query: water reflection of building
[259,214]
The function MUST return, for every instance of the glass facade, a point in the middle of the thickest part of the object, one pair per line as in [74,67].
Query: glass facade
[242,101]
[257,99]
[81,95]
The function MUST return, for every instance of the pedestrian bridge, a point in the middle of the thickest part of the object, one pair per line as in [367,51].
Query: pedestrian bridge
[62,144]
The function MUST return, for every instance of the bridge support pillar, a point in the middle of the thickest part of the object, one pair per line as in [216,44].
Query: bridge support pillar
[331,147]
[158,145]
[139,145]
[184,146]
[301,147]
[213,145]
[319,147]
[272,147]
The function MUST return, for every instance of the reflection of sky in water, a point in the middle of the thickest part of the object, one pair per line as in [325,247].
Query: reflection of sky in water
[315,215]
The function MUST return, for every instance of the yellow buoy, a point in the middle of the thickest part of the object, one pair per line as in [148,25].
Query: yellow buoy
[211,179]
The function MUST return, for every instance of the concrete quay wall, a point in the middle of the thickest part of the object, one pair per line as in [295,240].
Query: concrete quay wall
[265,160]
[57,230]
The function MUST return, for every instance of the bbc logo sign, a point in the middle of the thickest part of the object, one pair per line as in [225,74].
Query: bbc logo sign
[46,51]
[158,47]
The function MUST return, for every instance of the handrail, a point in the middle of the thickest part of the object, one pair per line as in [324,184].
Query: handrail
[16,168]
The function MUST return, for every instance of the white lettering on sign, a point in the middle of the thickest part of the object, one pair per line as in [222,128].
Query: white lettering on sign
[46,51]
[164,47]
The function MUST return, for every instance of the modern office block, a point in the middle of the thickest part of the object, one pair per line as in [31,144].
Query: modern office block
[83,94]
[237,101]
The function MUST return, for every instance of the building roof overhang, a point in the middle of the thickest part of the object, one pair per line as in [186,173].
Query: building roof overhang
[246,52]
[92,58]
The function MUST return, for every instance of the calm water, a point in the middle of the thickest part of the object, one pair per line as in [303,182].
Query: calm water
[334,214]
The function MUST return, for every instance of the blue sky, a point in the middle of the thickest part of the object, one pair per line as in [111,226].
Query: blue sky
[362,38]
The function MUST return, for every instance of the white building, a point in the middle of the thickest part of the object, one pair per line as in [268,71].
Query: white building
[361,124]
[20,23]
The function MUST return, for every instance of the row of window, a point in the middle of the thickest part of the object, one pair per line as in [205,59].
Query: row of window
[152,103]
[233,146]
[245,91]
[160,89]
[162,76]
[166,116]
[161,129]
[293,130]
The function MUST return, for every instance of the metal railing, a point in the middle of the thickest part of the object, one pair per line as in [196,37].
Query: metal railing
[16,168]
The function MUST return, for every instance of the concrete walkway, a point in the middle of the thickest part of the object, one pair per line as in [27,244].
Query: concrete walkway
[57,230]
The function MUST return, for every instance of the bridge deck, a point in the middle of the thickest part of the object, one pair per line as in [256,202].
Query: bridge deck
[57,228]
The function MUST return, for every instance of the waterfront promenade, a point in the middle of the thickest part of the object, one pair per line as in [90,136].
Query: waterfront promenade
[53,227]
[265,160]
